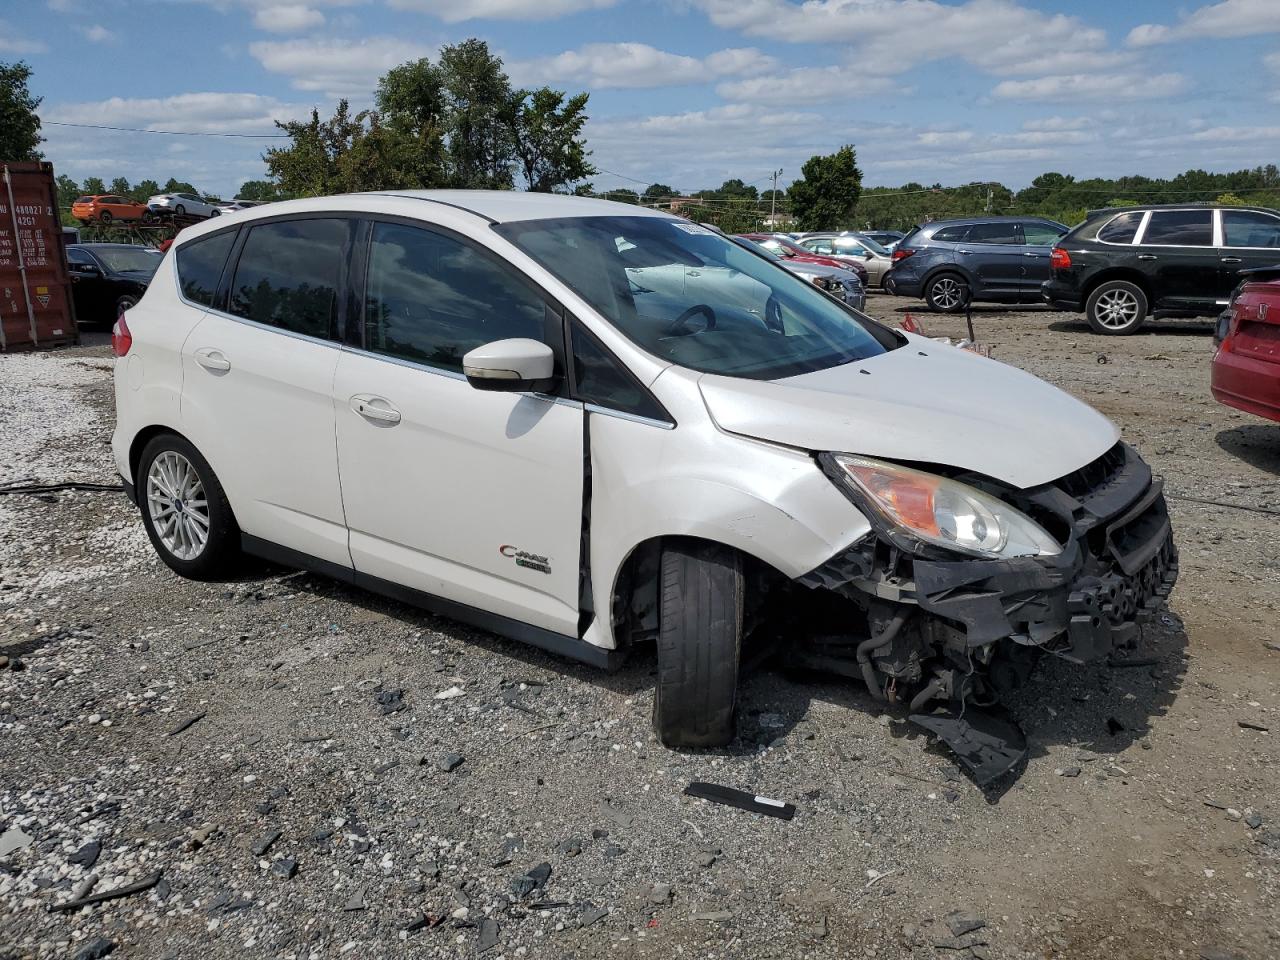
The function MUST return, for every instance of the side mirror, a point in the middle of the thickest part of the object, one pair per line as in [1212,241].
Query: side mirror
[518,365]
[868,255]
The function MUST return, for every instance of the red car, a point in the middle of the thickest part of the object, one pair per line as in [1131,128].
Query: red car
[1246,368]
[793,251]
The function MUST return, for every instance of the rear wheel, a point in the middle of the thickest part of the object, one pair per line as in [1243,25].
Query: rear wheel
[1116,307]
[105,217]
[127,302]
[946,293]
[179,210]
[699,644]
[185,510]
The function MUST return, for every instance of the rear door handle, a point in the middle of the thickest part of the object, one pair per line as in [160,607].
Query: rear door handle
[1037,256]
[1231,260]
[964,252]
[376,409]
[212,359]
[1146,256]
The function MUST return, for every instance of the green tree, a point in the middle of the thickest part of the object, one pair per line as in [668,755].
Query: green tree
[411,99]
[621,195]
[826,195]
[344,154]
[93,186]
[658,192]
[143,190]
[180,186]
[68,191]
[19,126]
[120,186]
[480,116]
[548,139]
[1230,200]
[259,190]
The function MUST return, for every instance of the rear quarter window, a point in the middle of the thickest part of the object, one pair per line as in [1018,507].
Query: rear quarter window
[1121,228]
[948,234]
[200,265]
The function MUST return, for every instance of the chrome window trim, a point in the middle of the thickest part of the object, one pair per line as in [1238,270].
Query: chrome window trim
[1140,240]
[623,415]
[1223,235]
[1142,226]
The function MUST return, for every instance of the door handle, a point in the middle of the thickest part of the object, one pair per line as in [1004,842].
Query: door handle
[964,252]
[212,359]
[1231,260]
[1037,256]
[1146,256]
[376,409]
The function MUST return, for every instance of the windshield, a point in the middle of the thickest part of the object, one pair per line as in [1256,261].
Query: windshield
[125,259]
[691,296]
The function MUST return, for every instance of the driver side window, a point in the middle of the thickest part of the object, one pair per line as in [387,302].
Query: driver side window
[430,298]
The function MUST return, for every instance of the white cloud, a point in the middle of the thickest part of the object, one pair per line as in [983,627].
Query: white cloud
[455,11]
[805,85]
[1228,18]
[192,112]
[336,67]
[1092,86]
[10,42]
[892,36]
[97,34]
[287,18]
[602,65]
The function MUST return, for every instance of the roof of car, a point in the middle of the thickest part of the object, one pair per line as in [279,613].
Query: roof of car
[113,246]
[506,206]
[1190,205]
[991,219]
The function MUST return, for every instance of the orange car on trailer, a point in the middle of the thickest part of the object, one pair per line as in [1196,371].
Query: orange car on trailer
[104,208]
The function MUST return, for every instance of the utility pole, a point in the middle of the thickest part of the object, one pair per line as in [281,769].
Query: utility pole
[773,200]
[990,194]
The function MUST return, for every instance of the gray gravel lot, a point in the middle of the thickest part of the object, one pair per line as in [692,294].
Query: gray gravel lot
[301,770]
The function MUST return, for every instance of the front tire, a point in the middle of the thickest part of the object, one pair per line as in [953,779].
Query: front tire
[946,293]
[699,644]
[179,210]
[1116,308]
[185,510]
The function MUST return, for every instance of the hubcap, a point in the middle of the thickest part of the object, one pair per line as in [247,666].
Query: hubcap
[1117,309]
[946,293]
[177,505]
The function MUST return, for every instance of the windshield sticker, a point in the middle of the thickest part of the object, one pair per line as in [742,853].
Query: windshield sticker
[695,229]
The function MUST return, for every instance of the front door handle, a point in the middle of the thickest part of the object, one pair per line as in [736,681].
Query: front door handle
[375,409]
[964,252]
[1231,260]
[212,359]
[1038,256]
[1146,256]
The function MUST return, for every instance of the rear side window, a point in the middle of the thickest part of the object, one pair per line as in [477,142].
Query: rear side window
[288,275]
[1180,228]
[200,266]
[948,235]
[1122,228]
[1244,228]
[994,233]
[1041,234]
[600,379]
[431,298]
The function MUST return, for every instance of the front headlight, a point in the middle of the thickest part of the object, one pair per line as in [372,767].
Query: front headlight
[945,512]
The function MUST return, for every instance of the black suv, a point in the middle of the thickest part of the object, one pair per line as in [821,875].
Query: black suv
[950,262]
[1124,264]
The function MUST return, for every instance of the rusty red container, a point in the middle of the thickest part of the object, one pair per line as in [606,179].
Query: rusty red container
[36,311]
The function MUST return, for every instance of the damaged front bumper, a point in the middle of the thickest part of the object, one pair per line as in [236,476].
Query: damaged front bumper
[976,626]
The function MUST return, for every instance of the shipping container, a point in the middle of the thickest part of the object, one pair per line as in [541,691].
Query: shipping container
[35,288]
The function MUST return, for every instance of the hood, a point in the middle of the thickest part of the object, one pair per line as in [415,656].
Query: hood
[924,402]
[818,270]
[137,276]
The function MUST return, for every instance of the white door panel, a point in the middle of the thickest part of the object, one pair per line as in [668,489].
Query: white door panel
[464,494]
[258,403]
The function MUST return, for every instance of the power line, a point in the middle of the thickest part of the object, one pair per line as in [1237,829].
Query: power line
[171,133]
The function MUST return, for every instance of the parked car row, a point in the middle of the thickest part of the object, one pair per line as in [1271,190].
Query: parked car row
[109,208]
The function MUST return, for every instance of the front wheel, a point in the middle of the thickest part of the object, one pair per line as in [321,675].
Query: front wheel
[185,510]
[179,210]
[946,293]
[699,644]
[1116,307]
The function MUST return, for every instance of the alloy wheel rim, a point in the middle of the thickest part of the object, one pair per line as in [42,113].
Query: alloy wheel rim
[1117,309]
[177,505]
[946,293]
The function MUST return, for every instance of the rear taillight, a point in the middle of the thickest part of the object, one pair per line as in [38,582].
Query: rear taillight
[1059,259]
[902,254]
[121,338]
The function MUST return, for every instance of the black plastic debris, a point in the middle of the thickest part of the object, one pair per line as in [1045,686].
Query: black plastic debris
[114,894]
[740,799]
[87,855]
[989,743]
[390,701]
[1114,726]
[95,949]
[535,879]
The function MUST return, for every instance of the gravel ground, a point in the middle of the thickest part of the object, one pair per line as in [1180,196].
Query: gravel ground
[313,772]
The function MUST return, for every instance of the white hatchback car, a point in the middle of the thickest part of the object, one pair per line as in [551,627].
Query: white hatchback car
[182,204]
[502,406]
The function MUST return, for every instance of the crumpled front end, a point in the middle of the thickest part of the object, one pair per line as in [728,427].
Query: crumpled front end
[942,628]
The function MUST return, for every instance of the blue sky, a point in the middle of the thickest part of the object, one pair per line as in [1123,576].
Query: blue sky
[686,92]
